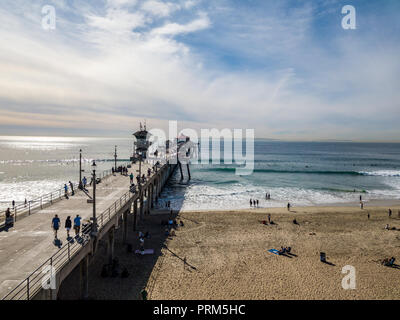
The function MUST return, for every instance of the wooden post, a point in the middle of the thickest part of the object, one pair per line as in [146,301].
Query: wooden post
[84,275]
[125,226]
[110,247]
[135,214]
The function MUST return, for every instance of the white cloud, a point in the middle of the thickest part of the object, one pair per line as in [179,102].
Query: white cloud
[201,23]
[118,65]
[159,8]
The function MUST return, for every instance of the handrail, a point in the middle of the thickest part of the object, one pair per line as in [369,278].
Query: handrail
[63,256]
[47,199]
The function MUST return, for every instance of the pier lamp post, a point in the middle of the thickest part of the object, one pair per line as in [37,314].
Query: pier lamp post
[80,186]
[115,159]
[94,221]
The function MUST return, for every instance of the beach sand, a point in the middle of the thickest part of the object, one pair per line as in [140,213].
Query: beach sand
[227,256]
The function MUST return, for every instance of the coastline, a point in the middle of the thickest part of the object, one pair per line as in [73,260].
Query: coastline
[368,205]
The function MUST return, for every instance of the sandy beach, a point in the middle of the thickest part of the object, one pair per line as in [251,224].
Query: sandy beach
[227,256]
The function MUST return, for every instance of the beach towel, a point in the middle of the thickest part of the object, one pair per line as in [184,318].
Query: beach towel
[147,251]
[274,251]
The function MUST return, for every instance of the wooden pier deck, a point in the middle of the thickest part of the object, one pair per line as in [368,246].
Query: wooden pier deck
[28,247]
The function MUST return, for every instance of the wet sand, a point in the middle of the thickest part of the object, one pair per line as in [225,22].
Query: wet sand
[227,257]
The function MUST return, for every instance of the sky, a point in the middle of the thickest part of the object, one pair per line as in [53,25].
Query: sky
[286,68]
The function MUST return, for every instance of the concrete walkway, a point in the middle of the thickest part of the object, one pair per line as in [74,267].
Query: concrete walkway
[30,242]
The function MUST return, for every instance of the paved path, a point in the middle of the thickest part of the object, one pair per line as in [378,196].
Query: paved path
[30,242]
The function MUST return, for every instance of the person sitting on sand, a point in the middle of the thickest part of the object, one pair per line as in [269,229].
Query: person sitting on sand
[387,227]
[295,221]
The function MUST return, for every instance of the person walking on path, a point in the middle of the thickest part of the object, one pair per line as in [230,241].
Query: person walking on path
[77,224]
[68,225]
[66,191]
[55,223]
[84,181]
[71,185]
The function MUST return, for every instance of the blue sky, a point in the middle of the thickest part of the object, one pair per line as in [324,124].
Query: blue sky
[284,68]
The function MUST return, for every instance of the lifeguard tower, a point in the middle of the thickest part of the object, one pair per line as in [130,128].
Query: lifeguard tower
[142,143]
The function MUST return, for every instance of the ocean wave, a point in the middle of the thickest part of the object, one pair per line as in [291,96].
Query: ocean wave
[381,173]
[230,169]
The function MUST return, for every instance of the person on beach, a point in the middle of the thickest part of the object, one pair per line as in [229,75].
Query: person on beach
[55,223]
[269,218]
[26,202]
[13,204]
[141,240]
[390,213]
[84,181]
[368,216]
[131,177]
[71,185]
[68,225]
[360,198]
[251,202]
[77,224]
[257,203]
[66,191]
[288,206]
[361,205]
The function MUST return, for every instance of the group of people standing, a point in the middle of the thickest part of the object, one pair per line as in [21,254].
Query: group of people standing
[71,185]
[254,203]
[55,224]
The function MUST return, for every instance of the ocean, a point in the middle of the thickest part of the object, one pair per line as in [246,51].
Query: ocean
[302,173]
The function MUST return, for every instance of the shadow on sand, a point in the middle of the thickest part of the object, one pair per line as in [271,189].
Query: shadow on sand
[134,272]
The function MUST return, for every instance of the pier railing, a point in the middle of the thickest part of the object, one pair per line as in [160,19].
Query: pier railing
[41,277]
[46,200]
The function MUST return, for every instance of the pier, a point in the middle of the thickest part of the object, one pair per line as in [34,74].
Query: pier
[32,267]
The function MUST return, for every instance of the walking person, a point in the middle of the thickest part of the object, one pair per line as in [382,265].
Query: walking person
[68,225]
[131,177]
[84,181]
[288,206]
[66,191]
[390,213]
[55,223]
[361,205]
[71,185]
[368,216]
[13,204]
[269,218]
[77,224]
[251,202]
